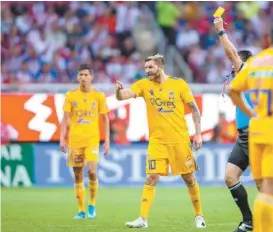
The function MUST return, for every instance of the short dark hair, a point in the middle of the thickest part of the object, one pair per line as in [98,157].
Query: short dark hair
[245,54]
[158,59]
[85,67]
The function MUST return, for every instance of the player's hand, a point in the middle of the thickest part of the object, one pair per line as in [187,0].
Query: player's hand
[63,145]
[106,147]
[118,85]
[197,142]
[219,24]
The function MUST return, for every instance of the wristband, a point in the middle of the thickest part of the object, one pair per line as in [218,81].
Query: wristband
[220,33]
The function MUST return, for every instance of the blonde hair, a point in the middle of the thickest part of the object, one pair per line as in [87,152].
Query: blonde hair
[158,59]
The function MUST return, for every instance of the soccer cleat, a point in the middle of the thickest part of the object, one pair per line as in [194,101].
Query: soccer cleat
[91,212]
[244,227]
[200,221]
[80,215]
[138,223]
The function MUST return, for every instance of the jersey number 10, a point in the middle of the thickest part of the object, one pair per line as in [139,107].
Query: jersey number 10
[152,164]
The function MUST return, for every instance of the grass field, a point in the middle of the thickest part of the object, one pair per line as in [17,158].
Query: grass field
[43,209]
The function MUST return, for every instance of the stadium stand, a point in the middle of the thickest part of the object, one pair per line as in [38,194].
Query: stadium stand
[46,41]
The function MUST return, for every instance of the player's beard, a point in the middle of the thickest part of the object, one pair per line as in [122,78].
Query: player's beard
[154,76]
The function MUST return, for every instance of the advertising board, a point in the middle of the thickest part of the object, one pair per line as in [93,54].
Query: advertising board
[125,166]
[36,117]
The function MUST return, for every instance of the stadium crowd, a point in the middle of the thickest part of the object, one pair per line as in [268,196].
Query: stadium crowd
[46,41]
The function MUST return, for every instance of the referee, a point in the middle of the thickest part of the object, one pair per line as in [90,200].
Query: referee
[238,160]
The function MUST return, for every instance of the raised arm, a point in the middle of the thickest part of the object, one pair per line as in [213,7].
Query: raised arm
[230,50]
[124,93]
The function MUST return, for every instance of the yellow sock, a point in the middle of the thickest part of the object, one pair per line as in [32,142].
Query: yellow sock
[147,199]
[93,191]
[79,192]
[263,213]
[195,198]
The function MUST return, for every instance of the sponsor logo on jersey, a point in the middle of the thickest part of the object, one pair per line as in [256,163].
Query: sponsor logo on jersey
[162,103]
[162,110]
[82,121]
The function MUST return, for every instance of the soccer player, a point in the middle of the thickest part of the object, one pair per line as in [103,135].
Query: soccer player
[82,108]
[238,160]
[257,78]
[169,141]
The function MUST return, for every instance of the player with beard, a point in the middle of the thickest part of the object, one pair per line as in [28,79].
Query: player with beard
[239,159]
[169,140]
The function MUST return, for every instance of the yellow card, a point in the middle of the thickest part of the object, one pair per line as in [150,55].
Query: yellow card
[219,12]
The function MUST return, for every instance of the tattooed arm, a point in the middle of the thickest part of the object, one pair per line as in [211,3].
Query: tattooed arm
[196,116]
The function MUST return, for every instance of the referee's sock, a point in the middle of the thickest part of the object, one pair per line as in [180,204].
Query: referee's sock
[239,195]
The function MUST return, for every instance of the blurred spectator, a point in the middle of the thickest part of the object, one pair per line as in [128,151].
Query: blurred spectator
[198,42]
[186,36]
[47,73]
[215,74]
[119,126]
[225,131]
[53,38]
[167,15]
[8,133]
[249,9]
[24,75]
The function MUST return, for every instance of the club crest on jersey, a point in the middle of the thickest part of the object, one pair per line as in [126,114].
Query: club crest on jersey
[189,162]
[75,104]
[171,95]
[93,105]
[151,92]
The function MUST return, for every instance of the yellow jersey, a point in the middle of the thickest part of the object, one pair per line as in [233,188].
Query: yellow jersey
[165,108]
[257,78]
[84,109]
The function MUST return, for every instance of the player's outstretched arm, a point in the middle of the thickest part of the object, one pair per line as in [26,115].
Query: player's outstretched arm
[63,134]
[230,50]
[196,116]
[124,93]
